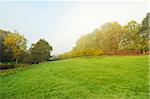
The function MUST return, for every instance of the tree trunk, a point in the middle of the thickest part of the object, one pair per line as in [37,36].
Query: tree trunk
[17,60]
[144,52]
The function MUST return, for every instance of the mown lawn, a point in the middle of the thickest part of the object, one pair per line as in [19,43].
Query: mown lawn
[105,77]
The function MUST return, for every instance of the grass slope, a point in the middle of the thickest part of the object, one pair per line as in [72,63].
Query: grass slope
[113,77]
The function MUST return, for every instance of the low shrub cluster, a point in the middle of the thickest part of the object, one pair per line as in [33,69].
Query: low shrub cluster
[83,52]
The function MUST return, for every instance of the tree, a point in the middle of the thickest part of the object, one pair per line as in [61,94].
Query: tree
[40,52]
[84,42]
[2,48]
[145,33]
[5,53]
[112,38]
[112,32]
[102,40]
[130,39]
[15,43]
[98,39]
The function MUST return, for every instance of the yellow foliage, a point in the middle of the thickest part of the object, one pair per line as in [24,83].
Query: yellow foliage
[82,52]
[15,42]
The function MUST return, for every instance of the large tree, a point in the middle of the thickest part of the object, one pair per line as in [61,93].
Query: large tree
[131,37]
[112,32]
[145,33]
[40,51]
[4,53]
[105,39]
[2,48]
[15,43]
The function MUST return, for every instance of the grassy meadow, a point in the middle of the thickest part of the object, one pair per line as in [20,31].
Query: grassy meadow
[103,77]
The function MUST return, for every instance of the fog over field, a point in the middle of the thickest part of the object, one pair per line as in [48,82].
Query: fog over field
[62,23]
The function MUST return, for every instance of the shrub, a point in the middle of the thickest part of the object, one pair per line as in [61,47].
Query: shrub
[82,52]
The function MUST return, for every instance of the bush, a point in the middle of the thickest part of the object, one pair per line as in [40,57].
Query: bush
[82,52]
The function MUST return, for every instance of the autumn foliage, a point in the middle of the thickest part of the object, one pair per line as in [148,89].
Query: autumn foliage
[113,38]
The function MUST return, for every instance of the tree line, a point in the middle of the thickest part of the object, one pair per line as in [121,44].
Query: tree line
[13,47]
[113,38]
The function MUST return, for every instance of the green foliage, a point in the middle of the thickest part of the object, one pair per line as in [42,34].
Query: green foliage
[12,46]
[112,37]
[5,53]
[16,43]
[113,77]
[145,33]
[39,52]
[130,38]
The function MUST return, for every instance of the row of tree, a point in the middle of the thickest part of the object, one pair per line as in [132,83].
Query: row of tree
[13,47]
[112,37]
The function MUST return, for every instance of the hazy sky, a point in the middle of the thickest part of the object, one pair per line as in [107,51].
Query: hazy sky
[62,23]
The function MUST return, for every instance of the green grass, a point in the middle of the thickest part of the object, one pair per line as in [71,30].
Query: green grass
[109,77]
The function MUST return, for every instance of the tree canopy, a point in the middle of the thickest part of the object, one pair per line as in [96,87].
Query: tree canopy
[40,52]
[110,38]
[113,37]
[13,47]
